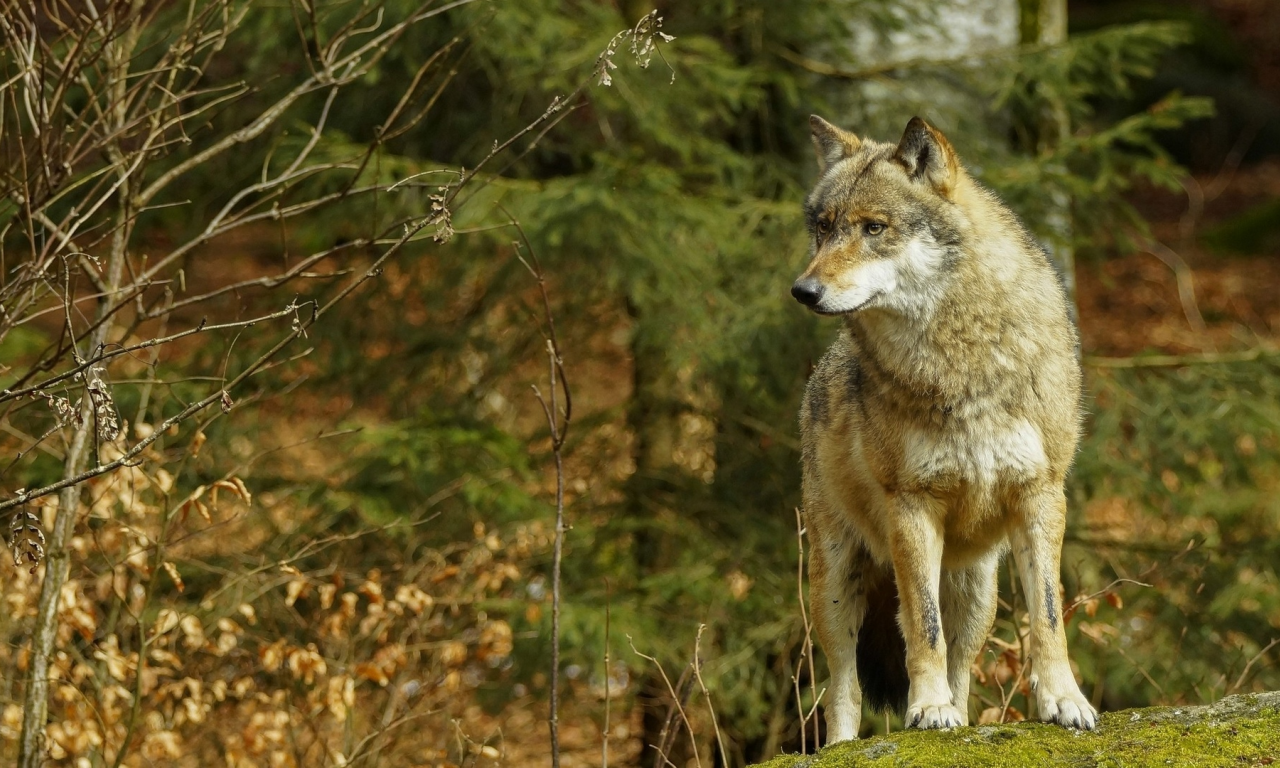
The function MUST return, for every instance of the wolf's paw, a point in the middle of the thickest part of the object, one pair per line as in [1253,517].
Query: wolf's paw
[934,716]
[1064,704]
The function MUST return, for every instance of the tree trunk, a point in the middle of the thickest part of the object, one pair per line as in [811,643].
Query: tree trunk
[1045,22]
[652,496]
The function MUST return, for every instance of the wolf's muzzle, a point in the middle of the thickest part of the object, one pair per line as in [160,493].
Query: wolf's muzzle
[807,292]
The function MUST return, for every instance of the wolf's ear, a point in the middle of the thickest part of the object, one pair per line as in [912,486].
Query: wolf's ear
[927,155]
[833,144]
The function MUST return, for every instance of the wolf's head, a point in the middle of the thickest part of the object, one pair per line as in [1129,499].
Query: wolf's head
[883,223]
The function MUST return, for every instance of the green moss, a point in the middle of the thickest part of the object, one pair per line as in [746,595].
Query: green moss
[1237,731]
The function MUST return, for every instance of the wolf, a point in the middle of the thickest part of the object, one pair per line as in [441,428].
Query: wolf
[937,431]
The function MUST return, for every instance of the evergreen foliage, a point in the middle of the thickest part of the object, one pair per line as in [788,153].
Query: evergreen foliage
[1172,488]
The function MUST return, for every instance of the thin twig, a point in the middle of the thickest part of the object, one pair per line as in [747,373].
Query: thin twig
[604,746]
[1104,591]
[1006,700]
[675,697]
[806,650]
[1142,670]
[104,355]
[1245,672]
[697,673]
[558,427]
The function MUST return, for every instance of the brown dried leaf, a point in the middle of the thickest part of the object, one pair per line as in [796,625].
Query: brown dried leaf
[193,502]
[413,598]
[372,672]
[373,591]
[446,573]
[272,655]
[161,656]
[172,570]
[453,653]
[104,405]
[62,410]
[26,539]
[306,663]
[236,486]
[192,632]
[233,484]
[108,652]
[295,589]
[341,696]
[166,620]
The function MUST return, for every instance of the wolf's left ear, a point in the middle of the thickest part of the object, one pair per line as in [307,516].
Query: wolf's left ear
[927,155]
[832,144]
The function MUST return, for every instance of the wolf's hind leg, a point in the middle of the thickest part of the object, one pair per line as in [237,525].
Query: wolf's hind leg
[1037,550]
[968,611]
[838,598]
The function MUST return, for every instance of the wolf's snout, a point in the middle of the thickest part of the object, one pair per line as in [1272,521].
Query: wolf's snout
[807,292]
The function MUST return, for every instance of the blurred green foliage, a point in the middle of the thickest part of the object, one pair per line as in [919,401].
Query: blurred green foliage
[1213,63]
[1194,453]
[1256,230]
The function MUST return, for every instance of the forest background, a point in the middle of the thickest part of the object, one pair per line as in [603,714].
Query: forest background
[277,286]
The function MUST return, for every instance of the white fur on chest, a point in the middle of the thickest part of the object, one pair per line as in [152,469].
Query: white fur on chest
[985,452]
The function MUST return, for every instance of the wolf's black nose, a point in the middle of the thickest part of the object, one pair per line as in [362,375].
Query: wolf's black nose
[807,292]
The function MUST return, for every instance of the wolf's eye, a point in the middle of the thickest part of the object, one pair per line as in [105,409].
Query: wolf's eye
[873,228]
[824,226]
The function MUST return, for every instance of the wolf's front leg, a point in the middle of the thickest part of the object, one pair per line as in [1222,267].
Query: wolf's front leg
[916,544]
[1037,550]
[838,597]
[969,598]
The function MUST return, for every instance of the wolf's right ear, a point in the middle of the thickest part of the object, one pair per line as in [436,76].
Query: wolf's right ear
[833,144]
[926,154]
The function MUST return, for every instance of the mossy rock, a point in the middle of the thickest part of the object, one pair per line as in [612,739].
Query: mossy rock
[1237,731]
